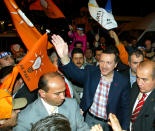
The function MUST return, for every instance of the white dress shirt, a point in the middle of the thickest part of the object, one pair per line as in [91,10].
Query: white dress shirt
[49,107]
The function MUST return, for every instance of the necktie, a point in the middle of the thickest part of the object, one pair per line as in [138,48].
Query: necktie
[137,109]
[53,109]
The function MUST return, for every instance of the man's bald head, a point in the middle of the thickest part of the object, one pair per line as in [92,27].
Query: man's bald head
[146,76]
[147,64]
[43,82]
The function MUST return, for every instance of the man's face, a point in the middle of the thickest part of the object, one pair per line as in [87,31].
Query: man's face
[148,44]
[54,60]
[7,61]
[56,93]
[98,55]
[107,64]
[144,79]
[10,122]
[88,53]
[78,59]
[80,32]
[135,62]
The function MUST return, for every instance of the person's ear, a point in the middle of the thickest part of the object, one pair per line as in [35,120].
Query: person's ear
[42,93]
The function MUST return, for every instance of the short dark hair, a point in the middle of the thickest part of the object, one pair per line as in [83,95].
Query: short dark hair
[111,49]
[136,52]
[77,50]
[43,81]
[54,122]
[97,49]
[78,42]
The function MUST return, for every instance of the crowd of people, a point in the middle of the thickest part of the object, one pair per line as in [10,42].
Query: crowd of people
[103,83]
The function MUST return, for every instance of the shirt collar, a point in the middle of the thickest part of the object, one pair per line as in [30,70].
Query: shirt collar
[48,107]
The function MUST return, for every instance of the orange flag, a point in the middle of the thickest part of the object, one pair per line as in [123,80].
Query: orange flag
[26,30]
[51,10]
[35,5]
[10,80]
[36,63]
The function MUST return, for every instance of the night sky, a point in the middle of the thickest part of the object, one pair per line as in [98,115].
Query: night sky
[119,7]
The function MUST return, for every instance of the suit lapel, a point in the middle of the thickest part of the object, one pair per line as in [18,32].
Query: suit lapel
[113,87]
[62,109]
[41,108]
[149,101]
[96,81]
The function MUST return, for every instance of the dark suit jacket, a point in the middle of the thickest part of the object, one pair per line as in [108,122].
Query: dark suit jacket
[118,98]
[126,73]
[25,92]
[146,116]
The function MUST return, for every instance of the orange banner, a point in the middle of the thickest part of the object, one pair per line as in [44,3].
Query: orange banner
[36,63]
[26,30]
[51,10]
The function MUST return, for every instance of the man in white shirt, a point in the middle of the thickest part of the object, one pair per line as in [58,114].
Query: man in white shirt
[52,100]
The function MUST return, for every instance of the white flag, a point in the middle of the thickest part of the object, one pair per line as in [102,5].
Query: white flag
[102,16]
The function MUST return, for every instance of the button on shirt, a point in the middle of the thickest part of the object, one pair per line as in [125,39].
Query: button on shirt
[49,108]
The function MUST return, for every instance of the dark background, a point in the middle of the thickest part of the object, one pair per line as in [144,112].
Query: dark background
[71,9]
[119,7]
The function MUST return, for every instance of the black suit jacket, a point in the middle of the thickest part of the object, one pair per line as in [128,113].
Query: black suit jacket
[126,73]
[146,117]
[25,92]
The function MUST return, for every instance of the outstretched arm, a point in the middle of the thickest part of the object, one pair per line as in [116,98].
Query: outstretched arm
[123,54]
[61,48]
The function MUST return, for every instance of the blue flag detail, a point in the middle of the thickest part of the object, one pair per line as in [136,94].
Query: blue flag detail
[108,6]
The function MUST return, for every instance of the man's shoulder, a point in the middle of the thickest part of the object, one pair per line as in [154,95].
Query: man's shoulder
[120,78]
[70,101]
[125,72]
[120,75]
[69,105]
[30,108]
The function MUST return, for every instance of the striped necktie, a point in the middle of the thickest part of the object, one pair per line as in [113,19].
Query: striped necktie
[137,109]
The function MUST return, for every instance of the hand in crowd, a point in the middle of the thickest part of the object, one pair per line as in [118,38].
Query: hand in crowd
[71,27]
[114,36]
[96,128]
[61,48]
[114,122]
[81,111]
[60,45]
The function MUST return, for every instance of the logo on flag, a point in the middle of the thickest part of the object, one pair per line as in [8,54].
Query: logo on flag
[103,16]
[36,63]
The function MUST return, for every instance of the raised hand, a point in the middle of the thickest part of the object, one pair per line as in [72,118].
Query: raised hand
[114,36]
[60,45]
[71,27]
